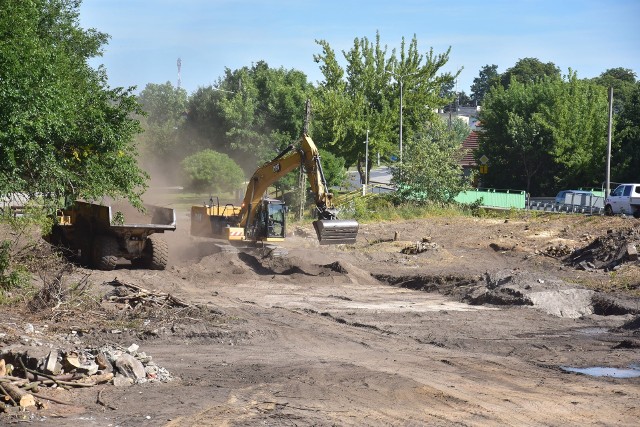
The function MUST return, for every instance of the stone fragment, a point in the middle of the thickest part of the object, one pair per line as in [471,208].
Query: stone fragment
[130,367]
[122,381]
[103,363]
[79,363]
[52,365]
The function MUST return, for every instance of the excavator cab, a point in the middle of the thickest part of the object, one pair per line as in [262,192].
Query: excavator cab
[270,221]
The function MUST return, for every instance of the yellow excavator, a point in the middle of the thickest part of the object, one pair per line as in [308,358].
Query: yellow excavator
[260,218]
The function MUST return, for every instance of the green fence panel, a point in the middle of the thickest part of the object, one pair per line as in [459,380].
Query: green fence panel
[494,198]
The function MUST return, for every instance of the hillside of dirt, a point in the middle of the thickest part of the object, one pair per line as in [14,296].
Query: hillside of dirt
[529,320]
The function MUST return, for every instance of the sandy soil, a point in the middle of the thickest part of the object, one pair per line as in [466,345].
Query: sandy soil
[367,335]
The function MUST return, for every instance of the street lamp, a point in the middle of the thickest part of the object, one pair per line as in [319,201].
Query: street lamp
[399,78]
[366,165]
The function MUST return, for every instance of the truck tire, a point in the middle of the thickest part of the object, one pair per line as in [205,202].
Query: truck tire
[105,253]
[156,253]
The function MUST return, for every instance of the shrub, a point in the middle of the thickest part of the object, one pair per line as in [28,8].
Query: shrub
[210,171]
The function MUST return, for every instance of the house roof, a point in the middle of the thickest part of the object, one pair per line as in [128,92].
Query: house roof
[469,145]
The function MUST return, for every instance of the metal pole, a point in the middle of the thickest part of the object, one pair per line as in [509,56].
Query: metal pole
[401,120]
[366,163]
[608,177]
[366,160]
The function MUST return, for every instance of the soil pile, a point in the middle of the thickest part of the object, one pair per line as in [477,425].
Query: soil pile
[608,251]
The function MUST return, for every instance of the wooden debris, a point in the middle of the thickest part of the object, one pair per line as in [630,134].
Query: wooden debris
[140,296]
[19,396]
[102,402]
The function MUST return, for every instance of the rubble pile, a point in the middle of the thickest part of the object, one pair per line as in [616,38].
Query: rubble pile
[420,246]
[134,296]
[24,371]
[558,251]
[608,252]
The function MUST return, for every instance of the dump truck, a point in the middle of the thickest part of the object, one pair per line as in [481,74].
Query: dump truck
[98,235]
[262,219]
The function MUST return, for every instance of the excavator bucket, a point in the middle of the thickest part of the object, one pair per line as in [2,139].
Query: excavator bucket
[336,231]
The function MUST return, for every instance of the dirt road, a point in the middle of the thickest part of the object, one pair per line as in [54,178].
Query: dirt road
[474,329]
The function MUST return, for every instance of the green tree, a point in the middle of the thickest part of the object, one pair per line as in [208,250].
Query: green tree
[487,78]
[529,70]
[626,153]
[545,135]
[163,103]
[250,114]
[333,168]
[623,82]
[210,171]
[361,96]
[163,142]
[431,169]
[63,131]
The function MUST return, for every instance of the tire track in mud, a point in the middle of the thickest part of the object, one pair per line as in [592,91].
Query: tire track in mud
[435,385]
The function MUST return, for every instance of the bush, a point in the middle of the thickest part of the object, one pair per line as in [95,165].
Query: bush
[11,276]
[210,171]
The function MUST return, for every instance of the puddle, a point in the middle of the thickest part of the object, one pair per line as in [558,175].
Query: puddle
[632,372]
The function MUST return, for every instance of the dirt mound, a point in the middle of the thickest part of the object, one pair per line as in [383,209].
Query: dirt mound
[608,251]
[633,325]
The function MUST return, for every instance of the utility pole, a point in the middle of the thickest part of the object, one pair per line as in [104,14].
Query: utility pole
[366,165]
[400,78]
[303,176]
[607,182]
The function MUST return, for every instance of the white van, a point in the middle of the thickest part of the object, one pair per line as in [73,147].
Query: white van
[625,199]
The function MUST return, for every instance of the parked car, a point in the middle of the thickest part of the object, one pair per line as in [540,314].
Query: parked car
[625,199]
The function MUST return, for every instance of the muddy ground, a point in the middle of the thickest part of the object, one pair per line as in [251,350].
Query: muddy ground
[459,321]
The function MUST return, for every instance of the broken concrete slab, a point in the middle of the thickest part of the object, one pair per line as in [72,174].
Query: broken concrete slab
[129,366]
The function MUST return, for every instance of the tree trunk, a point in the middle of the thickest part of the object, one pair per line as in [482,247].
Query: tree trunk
[20,396]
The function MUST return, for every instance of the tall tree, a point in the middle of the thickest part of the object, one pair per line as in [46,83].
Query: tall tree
[165,107]
[487,78]
[365,95]
[626,155]
[545,135]
[250,113]
[529,70]
[623,82]
[63,131]
[432,170]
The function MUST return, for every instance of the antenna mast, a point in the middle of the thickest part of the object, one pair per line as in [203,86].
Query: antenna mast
[179,67]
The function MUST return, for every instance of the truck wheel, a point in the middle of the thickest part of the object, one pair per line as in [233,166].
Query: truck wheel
[156,253]
[636,213]
[608,210]
[105,253]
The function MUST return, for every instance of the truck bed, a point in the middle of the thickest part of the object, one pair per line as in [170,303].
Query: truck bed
[121,216]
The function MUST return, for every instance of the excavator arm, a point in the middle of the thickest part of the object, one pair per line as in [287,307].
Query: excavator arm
[329,228]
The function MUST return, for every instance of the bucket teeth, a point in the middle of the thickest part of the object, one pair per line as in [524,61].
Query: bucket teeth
[336,231]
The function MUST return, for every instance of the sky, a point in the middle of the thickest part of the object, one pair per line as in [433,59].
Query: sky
[148,36]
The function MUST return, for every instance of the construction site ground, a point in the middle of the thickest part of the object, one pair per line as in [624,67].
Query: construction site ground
[429,322]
